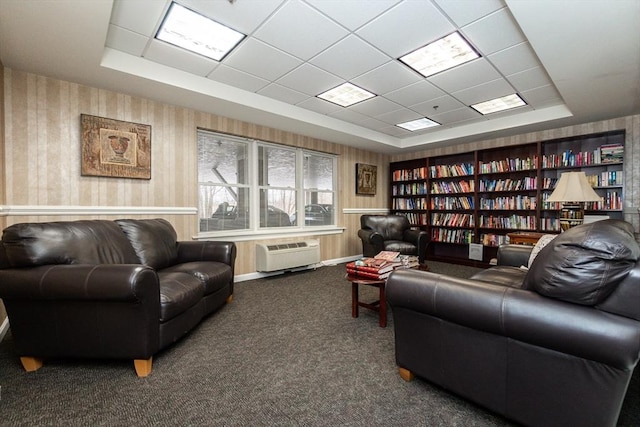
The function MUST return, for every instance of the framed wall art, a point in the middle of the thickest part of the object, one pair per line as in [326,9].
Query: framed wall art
[366,179]
[114,148]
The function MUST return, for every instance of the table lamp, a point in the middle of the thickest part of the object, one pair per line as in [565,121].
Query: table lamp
[573,189]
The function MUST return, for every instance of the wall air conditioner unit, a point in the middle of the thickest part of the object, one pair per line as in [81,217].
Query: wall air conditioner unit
[285,256]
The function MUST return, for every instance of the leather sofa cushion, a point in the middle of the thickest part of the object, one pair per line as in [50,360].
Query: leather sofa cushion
[212,274]
[67,242]
[178,292]
[154,241]
[404,248]
[504,275]
[584,264]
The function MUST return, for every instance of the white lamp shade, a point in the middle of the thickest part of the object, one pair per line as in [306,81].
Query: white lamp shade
[573,187]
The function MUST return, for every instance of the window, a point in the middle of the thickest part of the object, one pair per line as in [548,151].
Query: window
[251,185]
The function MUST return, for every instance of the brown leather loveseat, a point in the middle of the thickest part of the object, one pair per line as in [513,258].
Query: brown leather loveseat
[554,345]
[121,289]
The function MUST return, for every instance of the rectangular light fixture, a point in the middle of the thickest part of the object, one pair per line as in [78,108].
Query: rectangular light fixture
[499,104]
[346,95]
[440,55]
[418,124]
[190,30]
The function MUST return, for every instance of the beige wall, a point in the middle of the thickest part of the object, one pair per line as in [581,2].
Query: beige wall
[42,156]
[631,124]
[3,313]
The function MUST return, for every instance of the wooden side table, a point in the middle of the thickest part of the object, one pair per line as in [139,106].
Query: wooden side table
[380,305]
[524,238]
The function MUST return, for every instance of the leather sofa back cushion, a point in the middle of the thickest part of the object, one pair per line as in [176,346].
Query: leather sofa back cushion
[584,264]
[154,240]
[391,227]
[72,242]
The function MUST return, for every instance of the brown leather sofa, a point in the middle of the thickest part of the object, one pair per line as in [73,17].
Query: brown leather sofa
[391,233]
[120,289]
[552,346]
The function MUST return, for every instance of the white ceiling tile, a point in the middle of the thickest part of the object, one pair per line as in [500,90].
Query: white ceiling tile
[319,105]
[396,131]
[463,13]
[181,59]
[438,105]
[399,116]
[414,93]
[243,16]
[484,92]
[140,16]
[349,58]
[463,76]
[313,31]
[262,60]
[350,116]
[406,27]
[127,41]
[454,116]
[375,106]
[387,78]
[483,34]
[542,96]
[237,78]
[353,13]
[282,93]
[310,80]
[514,59]
[529,79]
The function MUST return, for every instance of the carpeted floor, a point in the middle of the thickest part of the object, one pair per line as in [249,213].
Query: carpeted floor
[286,352]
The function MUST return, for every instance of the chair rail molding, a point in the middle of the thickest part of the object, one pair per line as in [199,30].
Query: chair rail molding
[45,210]
[365,211]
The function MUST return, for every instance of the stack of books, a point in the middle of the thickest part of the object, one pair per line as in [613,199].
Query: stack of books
[380,266]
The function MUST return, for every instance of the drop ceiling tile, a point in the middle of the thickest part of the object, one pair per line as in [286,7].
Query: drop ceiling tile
[466,75]
[313,31]
[514,59]
[437,106]
[349,58]
[140,16]
[487,39]
[310,80]
[375,106]
[399,116]
[396,131]
[484,92]
[542,96]
[375,124]
[387,78]
[237,78]
[455,116]
[529,79]
[243,16]
[283,94]
[353,13]
[350,116]
[406,27]
[414,93]
[126,41]
[319,105]
[261,60]
[181,59]
[462,14]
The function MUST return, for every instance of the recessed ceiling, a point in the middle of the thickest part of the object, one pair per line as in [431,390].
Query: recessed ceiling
[571,62]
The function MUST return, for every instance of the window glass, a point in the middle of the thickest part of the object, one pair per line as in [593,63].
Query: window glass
[277,182]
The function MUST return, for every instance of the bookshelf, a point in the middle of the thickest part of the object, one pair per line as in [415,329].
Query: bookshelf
[481,196]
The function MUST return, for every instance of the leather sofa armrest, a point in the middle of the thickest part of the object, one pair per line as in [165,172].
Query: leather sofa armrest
[103,282]
[514,255]
[420,239]
[371,237]
[190,251]
[518,314]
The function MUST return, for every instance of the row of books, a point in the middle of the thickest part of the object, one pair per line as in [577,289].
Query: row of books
[452,219]
[380,266]
[511,202]
[607,153]
[448,235]
[462,186]
[416,219]
[410,203]
[451,202]
[489,239]
[409,189]
[509,165]
[526,183]
[515,222]
[445,171]
[409,174]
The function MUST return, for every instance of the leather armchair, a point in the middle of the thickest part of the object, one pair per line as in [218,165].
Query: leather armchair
[391,233]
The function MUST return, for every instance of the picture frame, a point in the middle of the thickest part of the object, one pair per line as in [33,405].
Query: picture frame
[366,179]
[114,148]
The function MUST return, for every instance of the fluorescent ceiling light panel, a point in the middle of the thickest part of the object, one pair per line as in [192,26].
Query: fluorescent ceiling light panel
[419,124]
[346,94]
[499,104]
[197,33]
[440,55]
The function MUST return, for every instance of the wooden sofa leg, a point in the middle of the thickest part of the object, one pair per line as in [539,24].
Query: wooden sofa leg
[229,299]
[406,374]
[31,364]
[143,366]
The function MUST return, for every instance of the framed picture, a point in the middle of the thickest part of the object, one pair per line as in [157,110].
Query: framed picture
[366,179]
[114,148]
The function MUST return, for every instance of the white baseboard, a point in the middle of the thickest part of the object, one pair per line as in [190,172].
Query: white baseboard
[4,328]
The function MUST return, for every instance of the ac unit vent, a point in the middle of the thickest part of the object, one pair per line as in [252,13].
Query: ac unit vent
[284,256]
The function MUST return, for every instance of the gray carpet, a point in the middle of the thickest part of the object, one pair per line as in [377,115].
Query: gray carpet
[286,352]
